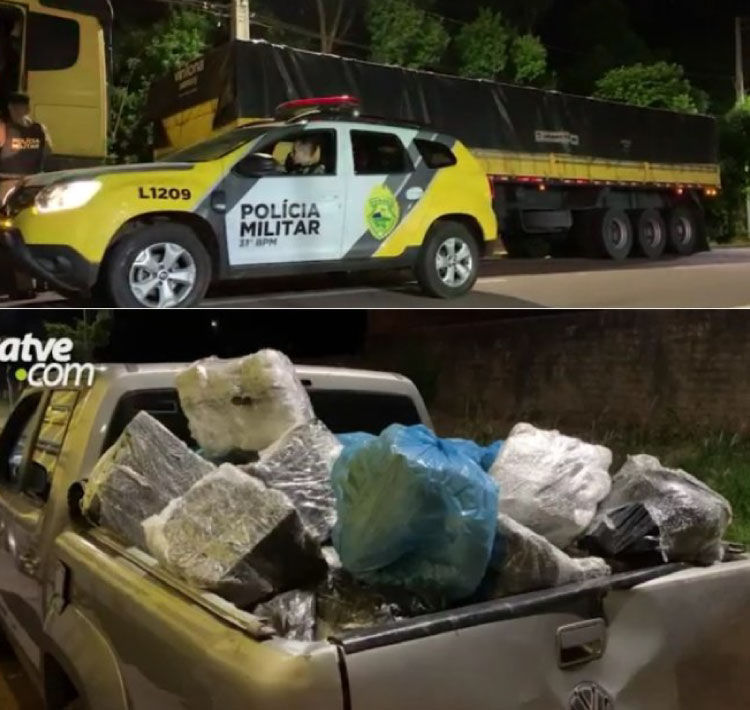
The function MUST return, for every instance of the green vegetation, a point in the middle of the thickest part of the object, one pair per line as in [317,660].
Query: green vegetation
[87,334]
[484,46]
[659,85]
[142,55]
[529,59]
[490,48]
[404,33]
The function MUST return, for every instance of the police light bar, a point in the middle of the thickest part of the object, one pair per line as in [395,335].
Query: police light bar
[348,105]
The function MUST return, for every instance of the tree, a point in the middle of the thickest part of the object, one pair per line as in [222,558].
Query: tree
[529,59]
[489,48]
[141,56]
[659,85]
[405,34]
[87,335]
[484,46]
[727,213]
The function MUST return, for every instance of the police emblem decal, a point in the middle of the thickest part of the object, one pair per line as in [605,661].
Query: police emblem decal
[382,212]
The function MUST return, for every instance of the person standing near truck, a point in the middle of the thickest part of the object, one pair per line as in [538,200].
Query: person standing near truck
[24,146]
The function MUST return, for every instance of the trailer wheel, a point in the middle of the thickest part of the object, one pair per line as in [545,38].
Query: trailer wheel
[683,230]
[604,233]
[613,233]
[448,262]
[650,232]
[159,266]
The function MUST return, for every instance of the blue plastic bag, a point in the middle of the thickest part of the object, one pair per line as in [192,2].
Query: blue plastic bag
[415,512]
[355,439]
[484,455]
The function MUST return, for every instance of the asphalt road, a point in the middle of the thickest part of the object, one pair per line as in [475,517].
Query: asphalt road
[718,279]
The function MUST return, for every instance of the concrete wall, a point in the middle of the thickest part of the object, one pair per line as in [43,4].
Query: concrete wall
[581,370]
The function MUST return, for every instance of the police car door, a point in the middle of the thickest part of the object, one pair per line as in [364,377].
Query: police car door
[288,216]
[385,185]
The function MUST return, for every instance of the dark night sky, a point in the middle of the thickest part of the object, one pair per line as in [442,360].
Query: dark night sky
[184,336]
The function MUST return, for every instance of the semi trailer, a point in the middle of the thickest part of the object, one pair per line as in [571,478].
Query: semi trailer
[582,175]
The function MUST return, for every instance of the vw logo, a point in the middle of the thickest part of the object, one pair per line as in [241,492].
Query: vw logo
[590,696]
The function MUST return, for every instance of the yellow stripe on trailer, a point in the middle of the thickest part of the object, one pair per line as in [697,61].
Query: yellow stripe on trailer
[556,167]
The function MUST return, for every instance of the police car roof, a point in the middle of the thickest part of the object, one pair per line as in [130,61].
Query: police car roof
[338,117]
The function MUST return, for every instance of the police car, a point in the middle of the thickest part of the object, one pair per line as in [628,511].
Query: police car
[319,188]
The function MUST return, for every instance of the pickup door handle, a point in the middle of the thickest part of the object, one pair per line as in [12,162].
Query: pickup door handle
[581,643]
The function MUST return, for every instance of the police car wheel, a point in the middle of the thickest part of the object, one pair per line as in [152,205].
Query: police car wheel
[159,266]
[448,262]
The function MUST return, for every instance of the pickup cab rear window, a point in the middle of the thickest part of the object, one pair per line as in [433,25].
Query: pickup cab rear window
[341,410]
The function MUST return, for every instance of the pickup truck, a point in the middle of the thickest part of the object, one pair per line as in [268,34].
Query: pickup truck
[102,627]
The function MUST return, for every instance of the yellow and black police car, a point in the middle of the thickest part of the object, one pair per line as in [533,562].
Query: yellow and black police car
[319,188]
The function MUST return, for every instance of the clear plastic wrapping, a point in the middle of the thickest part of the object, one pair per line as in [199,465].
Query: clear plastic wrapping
[551,483]
[524,561]
[138,476]
[233,535]
[243,404]
[691,517]
[299,464]
[292,614]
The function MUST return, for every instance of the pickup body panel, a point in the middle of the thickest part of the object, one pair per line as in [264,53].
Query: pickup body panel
[676,639]
[172,654]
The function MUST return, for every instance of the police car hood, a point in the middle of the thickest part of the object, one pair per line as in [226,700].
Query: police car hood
[44,179]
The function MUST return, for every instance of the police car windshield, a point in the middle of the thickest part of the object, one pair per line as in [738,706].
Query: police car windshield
[217,147]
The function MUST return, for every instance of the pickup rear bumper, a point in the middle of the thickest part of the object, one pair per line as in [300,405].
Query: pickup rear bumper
[62,267]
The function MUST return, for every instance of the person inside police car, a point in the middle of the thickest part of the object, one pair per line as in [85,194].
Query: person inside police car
[305,158]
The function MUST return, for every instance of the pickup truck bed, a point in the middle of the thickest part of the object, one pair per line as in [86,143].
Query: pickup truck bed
[491,654]
[102,627]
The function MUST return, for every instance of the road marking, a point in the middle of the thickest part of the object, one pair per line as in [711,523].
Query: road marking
[493,280]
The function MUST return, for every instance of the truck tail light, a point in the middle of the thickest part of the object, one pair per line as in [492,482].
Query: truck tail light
[493,192]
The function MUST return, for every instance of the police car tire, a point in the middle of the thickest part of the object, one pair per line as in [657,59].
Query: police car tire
[425,269]
[125,252]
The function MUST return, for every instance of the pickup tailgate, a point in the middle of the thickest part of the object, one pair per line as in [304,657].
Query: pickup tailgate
[670,638]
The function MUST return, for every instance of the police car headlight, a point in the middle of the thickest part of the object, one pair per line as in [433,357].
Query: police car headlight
[66,195]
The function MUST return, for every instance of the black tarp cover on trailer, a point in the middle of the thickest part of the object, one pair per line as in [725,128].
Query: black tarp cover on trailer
[251,78]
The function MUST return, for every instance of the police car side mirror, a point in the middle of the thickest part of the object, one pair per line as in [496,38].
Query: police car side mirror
[257,165]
